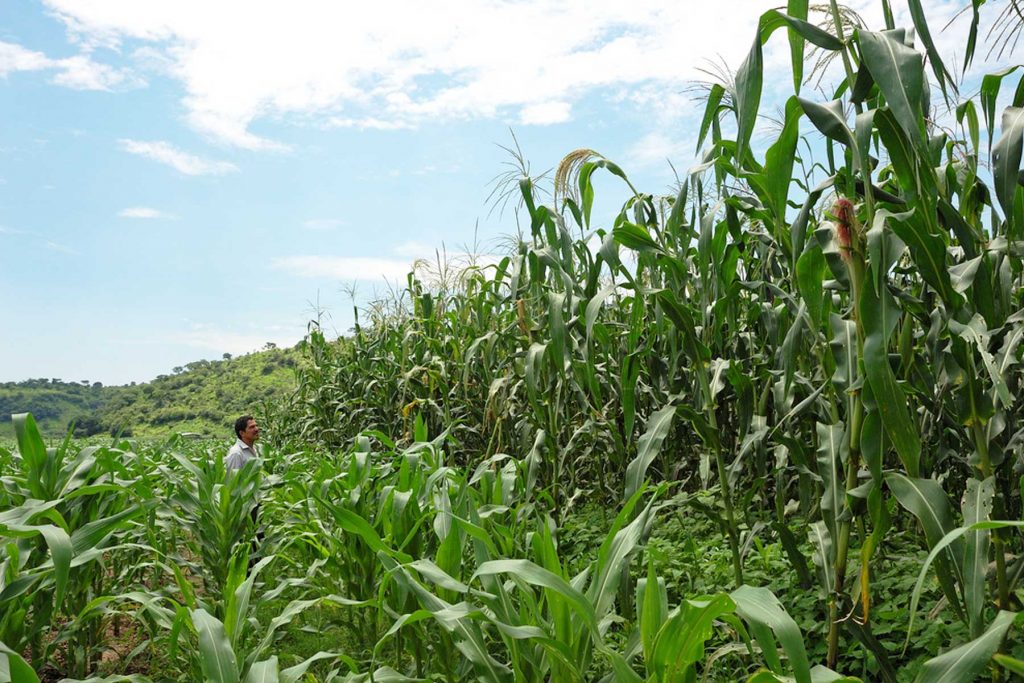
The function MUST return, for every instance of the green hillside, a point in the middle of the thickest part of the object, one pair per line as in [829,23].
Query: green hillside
[203,396]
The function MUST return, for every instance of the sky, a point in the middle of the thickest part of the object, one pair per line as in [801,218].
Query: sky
[184,179]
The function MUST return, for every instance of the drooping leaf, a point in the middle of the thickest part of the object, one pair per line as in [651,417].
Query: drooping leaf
[1006,156]
[899,72]
[14,669]
[647,449]
[989,95]
[926,500]
[965,662]
[762,610]
[942,75]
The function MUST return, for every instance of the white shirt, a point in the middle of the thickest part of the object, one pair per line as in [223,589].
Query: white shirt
[239,454]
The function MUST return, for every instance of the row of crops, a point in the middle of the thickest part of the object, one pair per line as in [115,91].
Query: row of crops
[808,356]
[401,565]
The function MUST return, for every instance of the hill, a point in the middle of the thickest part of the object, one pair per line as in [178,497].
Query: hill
[203,396]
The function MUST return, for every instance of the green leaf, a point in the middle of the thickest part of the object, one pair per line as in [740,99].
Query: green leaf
[966,662]
[215,654]
[613,557]
[32,450]
[263,672]
[977,506]
[749,77]
[832,447]
[682,317]
[653,603]
[747,96]
[844,350]
[14,669]
[884,247]
[556,328]
[1010,664]
[681,641]
[942,75]
[824,556]
[990,86]
[294,673]
[94,533]
[634,237]
[899,72]
[761,609]
[711,109]
[594,307]
[878,316]
[926,500]
[778,165]
[975,332]
[1006,157]
[972,34]
[538,576]
[658,427]
[830,120]
[810,276]
[798,230]
[627,392]
[928,249]
[676,221]
[798,10]
[61,552]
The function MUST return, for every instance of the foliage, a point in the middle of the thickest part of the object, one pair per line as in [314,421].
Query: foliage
[202,396]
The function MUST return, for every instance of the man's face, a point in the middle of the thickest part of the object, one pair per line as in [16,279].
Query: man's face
[251,433]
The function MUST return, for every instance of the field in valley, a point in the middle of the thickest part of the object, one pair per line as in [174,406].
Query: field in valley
[763,428]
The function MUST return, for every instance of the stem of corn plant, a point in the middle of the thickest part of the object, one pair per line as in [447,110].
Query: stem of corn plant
[857,273]
[723,479]
[985,465]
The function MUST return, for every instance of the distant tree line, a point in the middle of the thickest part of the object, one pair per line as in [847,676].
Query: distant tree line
[202,396]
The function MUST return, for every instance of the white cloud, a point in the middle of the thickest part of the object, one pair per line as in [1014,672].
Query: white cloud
[79,72]
[344,267]
[369,123]
[545,113]
[394,64]
[414,249]
[142,212]
[657,148]
[14,58]
[323,223]
[430,262]
[183,162]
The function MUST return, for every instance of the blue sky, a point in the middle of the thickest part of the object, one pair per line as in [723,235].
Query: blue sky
[182,179]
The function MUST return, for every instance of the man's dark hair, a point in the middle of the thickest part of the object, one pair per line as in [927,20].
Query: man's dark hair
[241,423]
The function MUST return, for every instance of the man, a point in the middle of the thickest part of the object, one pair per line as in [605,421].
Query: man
[245,448]
[242,452]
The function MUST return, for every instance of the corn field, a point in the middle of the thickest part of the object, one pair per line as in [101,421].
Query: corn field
[765,428]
